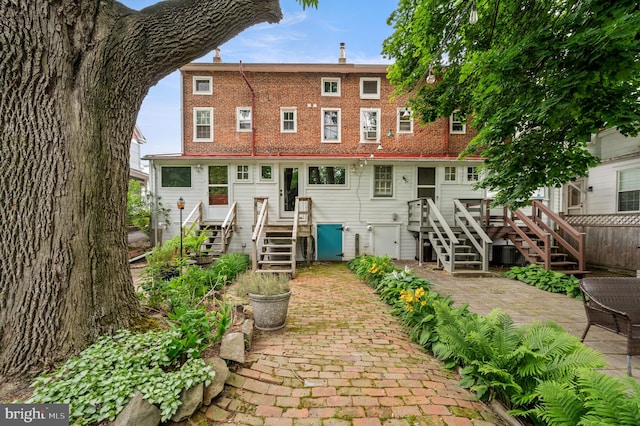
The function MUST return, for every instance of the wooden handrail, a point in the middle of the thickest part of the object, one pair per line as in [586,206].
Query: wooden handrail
[447,229]
[261,220]
[567,229]
[229,225]
[545,237]
[481,246]
[197,208]
[294,236]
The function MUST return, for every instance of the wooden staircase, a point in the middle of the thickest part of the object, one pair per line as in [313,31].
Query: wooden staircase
[219,233]
[542,237]
[275,245]
[461,248]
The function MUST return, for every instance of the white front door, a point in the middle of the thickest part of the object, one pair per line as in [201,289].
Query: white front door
[289,177]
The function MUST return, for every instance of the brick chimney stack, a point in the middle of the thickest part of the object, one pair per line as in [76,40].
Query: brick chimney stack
[217,59]
[342,59]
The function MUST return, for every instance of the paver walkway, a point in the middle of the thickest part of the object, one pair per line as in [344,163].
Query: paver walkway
[343,359]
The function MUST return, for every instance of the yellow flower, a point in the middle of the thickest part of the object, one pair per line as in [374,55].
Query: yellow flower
[419,293]
[423,303]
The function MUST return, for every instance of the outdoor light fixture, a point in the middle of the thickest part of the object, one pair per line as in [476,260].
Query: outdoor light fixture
[390,134]
[473,17]
[379,147]
[181,207]
[372,156]
[431,78]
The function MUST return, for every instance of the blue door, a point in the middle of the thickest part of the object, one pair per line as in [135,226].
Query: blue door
[329,241]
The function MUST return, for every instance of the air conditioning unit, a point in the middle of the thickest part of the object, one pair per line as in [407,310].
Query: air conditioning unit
[370,136]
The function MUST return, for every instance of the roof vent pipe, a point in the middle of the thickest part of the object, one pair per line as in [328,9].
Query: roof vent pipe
[342,59]
[217,59]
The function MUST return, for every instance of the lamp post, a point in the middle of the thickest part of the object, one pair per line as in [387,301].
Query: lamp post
[181,207]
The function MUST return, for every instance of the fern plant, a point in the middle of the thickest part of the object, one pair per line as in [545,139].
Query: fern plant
[591,398]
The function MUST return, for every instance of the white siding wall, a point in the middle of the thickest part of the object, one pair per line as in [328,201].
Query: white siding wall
[352,205]
[603,178]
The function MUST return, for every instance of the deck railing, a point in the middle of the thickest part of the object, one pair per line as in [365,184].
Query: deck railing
[229,226]
[261,219]
[472,229]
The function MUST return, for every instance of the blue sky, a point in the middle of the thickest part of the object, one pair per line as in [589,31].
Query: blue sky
[302,36]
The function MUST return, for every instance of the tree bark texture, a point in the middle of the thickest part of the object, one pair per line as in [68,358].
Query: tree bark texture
[73,74]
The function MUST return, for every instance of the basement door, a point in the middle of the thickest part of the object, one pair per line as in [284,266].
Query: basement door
[329,242]
[385,239]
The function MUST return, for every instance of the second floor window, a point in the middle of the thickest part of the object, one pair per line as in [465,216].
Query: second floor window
[203,124]
[243,115]
[330,125]
[450,174]
[472,174]
[288,122]
[242,173]
[369,123]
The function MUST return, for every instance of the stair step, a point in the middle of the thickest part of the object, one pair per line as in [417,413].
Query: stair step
[274,262]
[274,271]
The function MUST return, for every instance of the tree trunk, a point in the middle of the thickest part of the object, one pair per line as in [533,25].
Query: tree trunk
[73,75]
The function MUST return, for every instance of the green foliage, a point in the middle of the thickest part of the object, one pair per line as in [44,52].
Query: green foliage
[103,378]
[547,280]
[591,399]
[193,332]
[138,211]
[230,265]
[371,269]
[394,283]
[537,79]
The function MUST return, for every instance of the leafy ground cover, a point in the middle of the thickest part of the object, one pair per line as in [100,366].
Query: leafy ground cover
[161,362]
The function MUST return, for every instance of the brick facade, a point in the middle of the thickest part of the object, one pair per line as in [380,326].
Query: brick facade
[299,86]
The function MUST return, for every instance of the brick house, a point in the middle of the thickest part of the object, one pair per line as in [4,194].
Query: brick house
[331,133]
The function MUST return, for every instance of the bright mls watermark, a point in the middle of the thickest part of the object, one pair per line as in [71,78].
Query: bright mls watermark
[34,414]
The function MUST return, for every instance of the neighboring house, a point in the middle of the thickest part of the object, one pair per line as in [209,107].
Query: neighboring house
[325,131]
[136,170]
[606,204]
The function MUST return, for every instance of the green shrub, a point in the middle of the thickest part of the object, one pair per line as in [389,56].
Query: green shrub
[371,269]
[554,282]
[392,284]
[103,378]
[193,332]
[230,265]
[138,211]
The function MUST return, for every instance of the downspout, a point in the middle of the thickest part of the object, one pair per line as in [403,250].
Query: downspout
[446,135]
[253,112]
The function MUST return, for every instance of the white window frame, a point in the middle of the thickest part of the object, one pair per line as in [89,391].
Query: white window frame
[323,111]
[367,135]
[324,80]
[474,172]
[401,118]
[240,120]
[389,182]
[630,188]
[294,111]
[196,110]
[369,95]
[195,85]
[455,119]
[261,177]
[446,175]
[345,171]
[241,171]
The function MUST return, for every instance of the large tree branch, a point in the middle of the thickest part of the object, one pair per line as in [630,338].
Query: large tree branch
[172,33]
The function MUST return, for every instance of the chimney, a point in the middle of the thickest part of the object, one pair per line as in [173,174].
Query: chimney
[342,59]
[217,59]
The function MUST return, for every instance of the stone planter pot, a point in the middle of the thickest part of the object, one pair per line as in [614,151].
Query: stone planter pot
[270,312]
